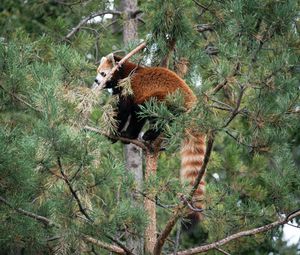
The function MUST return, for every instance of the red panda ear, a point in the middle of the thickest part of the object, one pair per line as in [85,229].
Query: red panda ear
[111,59]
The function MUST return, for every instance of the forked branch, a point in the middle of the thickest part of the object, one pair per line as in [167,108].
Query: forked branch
[86,19]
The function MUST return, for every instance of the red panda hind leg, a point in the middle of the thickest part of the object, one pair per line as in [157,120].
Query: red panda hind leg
[192,155]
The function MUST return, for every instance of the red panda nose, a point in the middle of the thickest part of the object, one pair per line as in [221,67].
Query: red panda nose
[96,80]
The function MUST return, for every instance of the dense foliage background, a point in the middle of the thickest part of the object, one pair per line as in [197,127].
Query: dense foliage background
[244,67]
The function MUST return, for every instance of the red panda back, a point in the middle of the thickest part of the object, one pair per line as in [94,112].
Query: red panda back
[158,82]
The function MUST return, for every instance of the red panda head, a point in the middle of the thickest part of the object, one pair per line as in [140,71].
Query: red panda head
[106,65]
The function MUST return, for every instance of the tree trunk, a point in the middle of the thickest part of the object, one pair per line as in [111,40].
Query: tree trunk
[133,154]
[150,207]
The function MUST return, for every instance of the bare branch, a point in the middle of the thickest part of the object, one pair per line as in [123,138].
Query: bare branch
[39,218]
[86,19]
[67,4]
[237,108]
[184,200]
[222,251]
[250,232]
[73,192]
[106,246]
[124,139]
[126,250]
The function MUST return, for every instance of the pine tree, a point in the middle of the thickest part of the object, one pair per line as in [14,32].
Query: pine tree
[65,189]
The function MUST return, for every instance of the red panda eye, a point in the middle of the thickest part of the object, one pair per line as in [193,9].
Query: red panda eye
[103,74]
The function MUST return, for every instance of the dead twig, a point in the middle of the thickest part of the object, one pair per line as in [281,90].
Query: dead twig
[123,139]
[254,231]
[86,19]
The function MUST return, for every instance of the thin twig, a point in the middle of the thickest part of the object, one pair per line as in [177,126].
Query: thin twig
[254,231]
[239,140]
[222,251]
[126,250]
[20,99]
[73,192]
[86,19]
[106,246]
[176,245]
[184,200]
[156,200]
[123,139]
[39,218]
[237,108]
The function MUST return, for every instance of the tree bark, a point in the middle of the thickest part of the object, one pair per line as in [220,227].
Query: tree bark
[150,207]
[133,154]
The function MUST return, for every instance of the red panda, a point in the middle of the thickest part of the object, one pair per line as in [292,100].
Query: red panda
[154,82]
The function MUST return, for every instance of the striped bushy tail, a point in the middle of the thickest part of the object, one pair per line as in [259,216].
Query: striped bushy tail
[192,155]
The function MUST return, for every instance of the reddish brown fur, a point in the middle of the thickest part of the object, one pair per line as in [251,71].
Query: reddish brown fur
[192,156]
[158,82]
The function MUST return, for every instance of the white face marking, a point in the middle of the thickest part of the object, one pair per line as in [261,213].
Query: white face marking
[102,71]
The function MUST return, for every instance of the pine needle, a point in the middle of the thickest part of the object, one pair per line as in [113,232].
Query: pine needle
[125,84]
[108,123]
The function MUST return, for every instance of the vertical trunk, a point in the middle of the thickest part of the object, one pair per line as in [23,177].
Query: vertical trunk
[133,154]
[130,31]
[150,207]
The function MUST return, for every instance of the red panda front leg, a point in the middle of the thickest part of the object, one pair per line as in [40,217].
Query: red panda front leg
[135,124]
[124,109]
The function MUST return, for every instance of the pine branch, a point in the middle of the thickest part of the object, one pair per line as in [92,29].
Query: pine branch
[217,244]
[19,99]
[123,139]
[86,19]
[236,110]
[39,218]
[106,246]
[73,192]
[48,222]
[219,86]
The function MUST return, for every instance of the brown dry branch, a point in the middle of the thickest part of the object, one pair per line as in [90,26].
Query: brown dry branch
[123,139]
[217,244]
[42,219]
[106,246]
[118,65]
[86,19]
[178,211]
